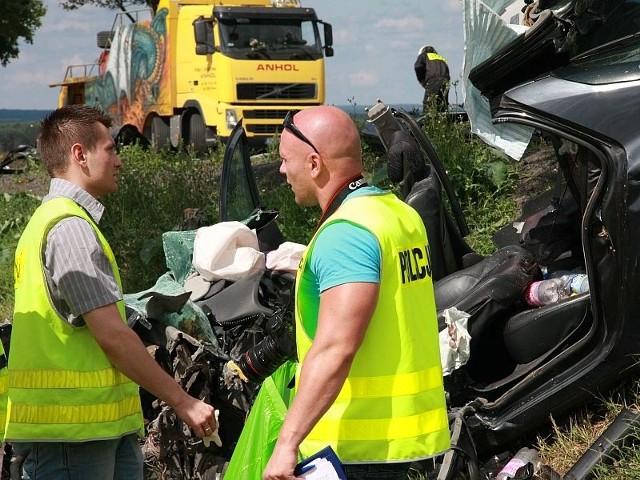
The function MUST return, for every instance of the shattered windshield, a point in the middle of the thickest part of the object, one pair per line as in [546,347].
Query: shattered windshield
[275,39]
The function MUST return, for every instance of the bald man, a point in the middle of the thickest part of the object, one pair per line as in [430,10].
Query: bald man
[369,382]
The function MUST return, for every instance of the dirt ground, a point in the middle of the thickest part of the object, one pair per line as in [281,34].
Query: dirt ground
[35,181]
[36,185]
[537,171]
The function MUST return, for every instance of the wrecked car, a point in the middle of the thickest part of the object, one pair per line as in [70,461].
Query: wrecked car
[573,78]
[526,363]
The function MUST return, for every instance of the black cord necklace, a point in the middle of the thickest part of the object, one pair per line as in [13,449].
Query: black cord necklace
[351,186]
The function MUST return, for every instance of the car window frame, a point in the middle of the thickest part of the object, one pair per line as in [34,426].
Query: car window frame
[237,143]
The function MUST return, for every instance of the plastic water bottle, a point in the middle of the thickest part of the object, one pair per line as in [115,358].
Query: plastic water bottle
[523,457]
[576,283]
[492,467]
[544,292]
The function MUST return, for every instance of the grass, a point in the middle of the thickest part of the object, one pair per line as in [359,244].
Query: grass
[570,438]
[157,193]
[177,191]
[483,178]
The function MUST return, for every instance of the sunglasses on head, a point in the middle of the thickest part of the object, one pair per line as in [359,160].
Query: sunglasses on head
[289,125]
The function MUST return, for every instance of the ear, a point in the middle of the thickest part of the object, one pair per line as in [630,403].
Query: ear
[316,165]
[78,154]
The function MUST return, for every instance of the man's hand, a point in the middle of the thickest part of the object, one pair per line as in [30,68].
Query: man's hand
[281,464]
[200,416]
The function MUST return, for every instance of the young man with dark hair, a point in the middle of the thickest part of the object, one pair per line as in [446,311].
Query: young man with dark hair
[73,407]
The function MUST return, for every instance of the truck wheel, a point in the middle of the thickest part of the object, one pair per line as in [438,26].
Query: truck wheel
[104,39]
[129,135]
[159,134]
[197,133]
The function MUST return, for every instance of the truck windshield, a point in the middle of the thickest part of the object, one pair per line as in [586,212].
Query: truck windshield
[276,39]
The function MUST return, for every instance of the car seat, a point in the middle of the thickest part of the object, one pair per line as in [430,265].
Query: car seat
[413,163]
[508,337]
[449,250]
[484,290]
[532,333]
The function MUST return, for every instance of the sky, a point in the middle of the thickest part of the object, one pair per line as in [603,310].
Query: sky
[376,43]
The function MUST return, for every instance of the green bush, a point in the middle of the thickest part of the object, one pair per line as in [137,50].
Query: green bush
[157,192]
[482,177]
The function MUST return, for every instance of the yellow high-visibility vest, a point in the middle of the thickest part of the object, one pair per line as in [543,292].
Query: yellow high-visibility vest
[392,406]
[436,56]
[4,386]
[62,386]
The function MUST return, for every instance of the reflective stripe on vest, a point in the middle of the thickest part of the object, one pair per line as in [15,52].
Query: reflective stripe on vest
[66,379]
[62,386]
[392,405]
[76,414]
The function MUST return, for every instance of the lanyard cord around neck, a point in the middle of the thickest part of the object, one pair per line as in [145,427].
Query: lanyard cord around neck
[351,186]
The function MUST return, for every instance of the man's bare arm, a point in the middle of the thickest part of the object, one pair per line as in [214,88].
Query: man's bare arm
[344,316]
[127,353]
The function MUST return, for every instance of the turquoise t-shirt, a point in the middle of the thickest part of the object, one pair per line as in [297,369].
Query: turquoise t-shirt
[345,253]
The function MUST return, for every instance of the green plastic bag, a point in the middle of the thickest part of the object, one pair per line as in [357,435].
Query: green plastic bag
[260,432]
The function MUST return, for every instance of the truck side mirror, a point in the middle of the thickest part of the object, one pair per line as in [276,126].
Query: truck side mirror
[203,32]
[328,39]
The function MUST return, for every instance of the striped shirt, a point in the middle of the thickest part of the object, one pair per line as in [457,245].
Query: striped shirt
[77,270]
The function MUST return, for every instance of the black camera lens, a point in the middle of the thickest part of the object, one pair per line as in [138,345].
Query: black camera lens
[262,360]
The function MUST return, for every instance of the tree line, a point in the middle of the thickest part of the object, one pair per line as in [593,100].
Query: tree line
[13,134]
